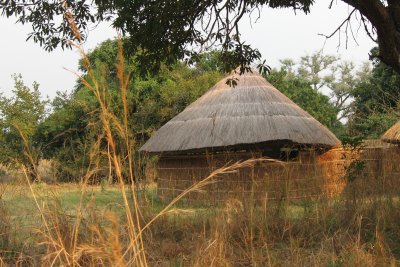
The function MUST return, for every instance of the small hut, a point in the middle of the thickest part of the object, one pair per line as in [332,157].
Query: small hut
[384,166]
[392,135]
[375,166]
[230,123]
[389,157]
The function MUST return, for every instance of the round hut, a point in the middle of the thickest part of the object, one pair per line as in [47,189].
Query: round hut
[392,135]
[387,168]
[388,157]
[231,123]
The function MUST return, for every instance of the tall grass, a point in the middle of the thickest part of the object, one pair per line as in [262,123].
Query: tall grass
[84,238]
[4,221]
[325,232]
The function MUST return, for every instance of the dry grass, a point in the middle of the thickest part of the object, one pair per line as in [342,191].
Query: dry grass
[325,232]
[317,233]
[85,237]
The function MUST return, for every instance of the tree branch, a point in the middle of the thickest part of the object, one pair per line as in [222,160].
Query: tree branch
[339,27]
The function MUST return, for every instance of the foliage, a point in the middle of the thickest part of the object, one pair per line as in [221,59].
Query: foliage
[367,98]
[329,74]
[20,115]
[162,32]
[376,101]
[65,133]
[344,84]
[74,126]
[312,68]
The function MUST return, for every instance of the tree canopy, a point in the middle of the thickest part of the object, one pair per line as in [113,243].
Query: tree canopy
[73,131]
[165,31]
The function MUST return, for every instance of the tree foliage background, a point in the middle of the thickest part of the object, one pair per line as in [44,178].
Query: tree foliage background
[69,133]
[73,126]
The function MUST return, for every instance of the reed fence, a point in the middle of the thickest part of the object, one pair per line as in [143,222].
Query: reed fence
[335,172]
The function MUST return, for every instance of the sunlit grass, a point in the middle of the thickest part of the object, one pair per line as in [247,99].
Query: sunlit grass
[80,224]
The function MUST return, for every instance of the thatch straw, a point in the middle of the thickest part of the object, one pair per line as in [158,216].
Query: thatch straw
[393,134]
[251,112]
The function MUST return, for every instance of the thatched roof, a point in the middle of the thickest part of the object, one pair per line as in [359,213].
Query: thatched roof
[393,134]
[251,112]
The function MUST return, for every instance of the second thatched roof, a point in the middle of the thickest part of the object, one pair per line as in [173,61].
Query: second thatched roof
[251,112]
[393,134]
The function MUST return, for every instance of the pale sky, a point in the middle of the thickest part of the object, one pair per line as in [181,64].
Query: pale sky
[278,34]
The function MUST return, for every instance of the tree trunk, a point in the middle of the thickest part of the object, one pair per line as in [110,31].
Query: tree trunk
[386,21]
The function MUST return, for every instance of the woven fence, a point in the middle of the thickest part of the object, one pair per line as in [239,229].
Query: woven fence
[374,171]
[369,171]
[308,178]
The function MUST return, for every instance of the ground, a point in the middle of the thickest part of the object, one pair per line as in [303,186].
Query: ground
[335,232]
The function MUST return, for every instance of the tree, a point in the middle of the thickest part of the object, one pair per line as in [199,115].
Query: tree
[165,31]
[73,131]
[20,116]
[384,17]
[343,85]
[67,133]
[314,67]
[329,74]
[376,101]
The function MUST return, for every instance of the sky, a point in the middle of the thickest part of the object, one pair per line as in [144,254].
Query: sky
[278,34]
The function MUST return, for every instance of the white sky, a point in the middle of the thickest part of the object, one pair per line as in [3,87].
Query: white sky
[278,34]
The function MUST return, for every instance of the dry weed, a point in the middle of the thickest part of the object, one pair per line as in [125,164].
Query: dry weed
[323,233]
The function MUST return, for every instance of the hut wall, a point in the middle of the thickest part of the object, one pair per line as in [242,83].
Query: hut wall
[310,177]
[371,171]
[374,171]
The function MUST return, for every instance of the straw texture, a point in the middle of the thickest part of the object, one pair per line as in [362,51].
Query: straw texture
[393,134]
[272,181]
[251,112]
